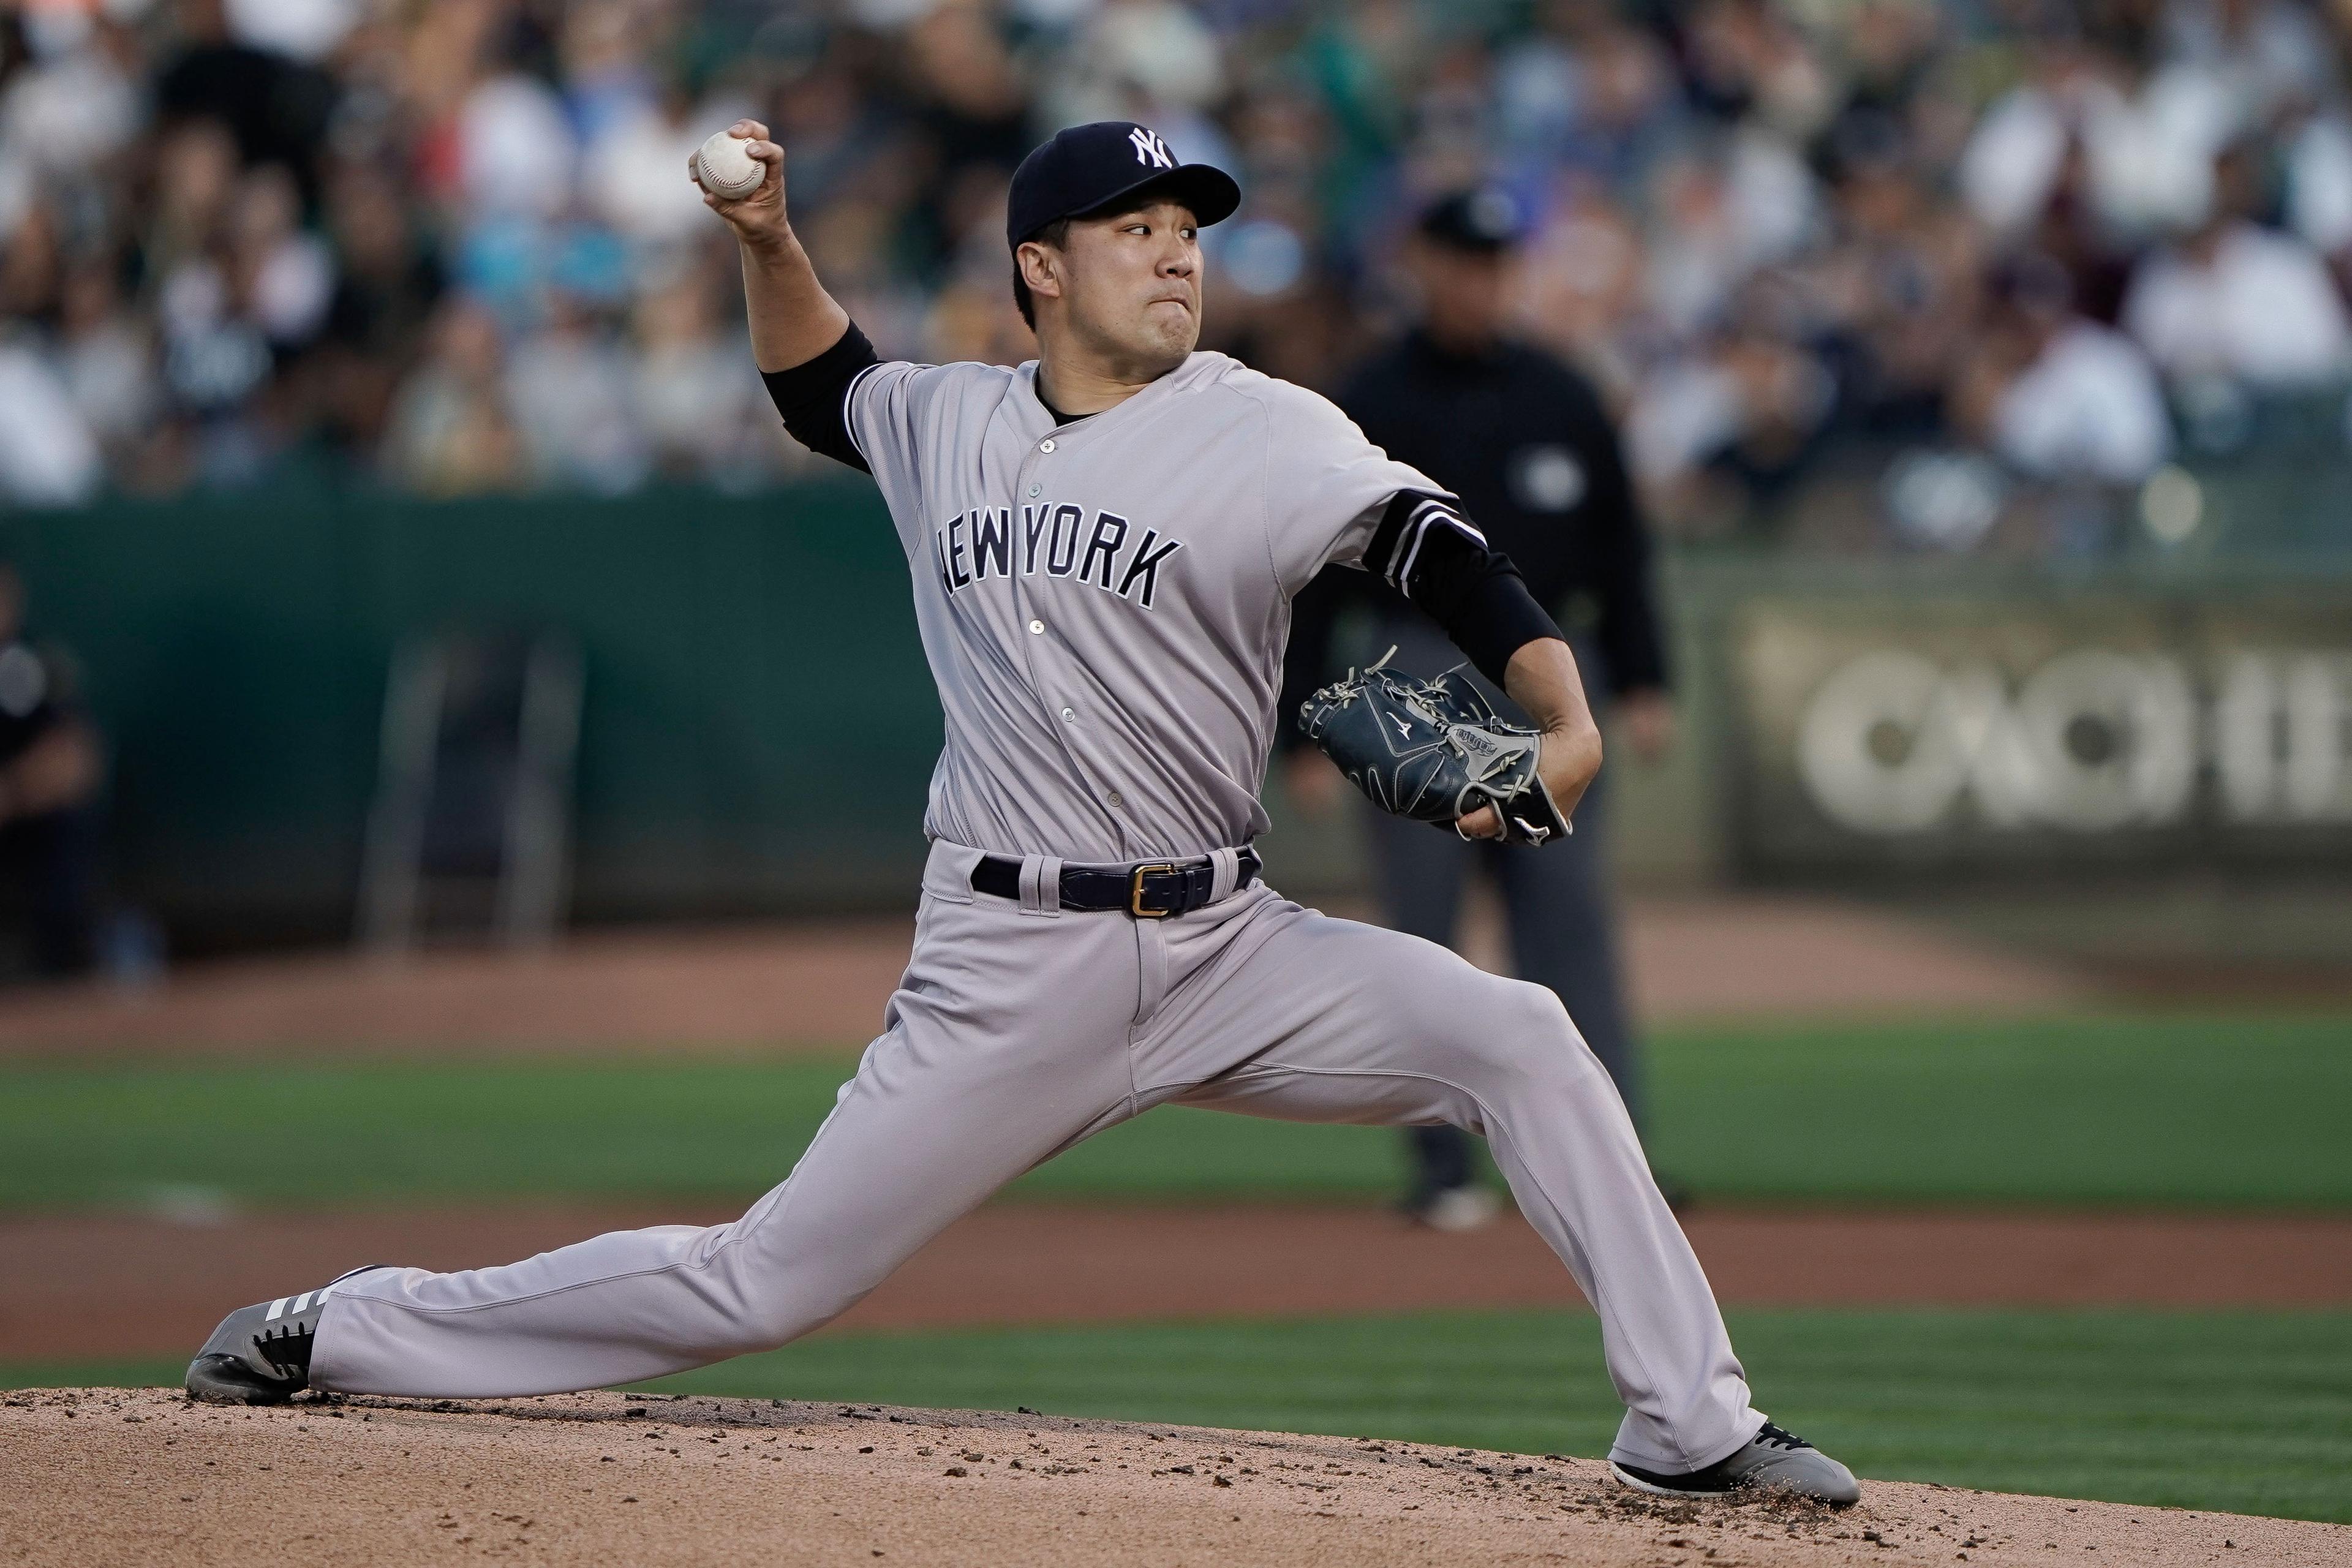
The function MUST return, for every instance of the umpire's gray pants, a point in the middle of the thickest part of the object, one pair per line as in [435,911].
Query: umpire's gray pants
[1019,1029]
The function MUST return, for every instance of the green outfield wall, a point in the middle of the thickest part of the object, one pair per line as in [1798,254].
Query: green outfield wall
[758,728]
[758,725]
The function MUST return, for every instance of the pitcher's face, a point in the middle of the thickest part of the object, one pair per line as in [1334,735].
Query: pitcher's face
[1125,287]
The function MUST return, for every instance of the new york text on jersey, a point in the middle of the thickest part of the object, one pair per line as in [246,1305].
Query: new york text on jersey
[1057,539]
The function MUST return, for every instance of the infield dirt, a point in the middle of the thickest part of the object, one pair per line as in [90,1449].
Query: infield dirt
[102,1477]
[118,1285]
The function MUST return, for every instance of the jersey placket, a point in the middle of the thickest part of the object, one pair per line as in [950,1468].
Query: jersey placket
[1035,637]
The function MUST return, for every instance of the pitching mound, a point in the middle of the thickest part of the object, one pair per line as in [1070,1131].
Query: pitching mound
[141,1476]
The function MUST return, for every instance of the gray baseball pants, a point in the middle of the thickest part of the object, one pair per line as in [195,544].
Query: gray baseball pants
[1562,937]
[1018,1030]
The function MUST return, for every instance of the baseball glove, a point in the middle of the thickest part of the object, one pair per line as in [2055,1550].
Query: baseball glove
[1433,751]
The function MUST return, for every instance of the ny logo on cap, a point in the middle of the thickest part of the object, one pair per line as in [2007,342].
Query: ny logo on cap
[1149,149]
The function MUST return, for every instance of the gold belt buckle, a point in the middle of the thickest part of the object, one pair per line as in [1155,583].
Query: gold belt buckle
[1135,892]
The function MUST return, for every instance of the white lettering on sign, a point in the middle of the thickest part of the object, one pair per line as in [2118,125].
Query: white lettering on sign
[2093,740]
[2283,737]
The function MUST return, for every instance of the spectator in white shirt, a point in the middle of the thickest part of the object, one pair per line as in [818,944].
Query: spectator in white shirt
[2054,394]
[2238,301]
[2146,132]
[48,456]
[515,149]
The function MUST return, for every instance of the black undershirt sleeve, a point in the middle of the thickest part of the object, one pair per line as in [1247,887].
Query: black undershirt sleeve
[813,397]
[1427,551]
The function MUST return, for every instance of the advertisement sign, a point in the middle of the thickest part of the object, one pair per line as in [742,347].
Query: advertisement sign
[2062,733]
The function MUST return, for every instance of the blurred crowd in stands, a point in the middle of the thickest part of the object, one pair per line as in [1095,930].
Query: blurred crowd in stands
[451,242]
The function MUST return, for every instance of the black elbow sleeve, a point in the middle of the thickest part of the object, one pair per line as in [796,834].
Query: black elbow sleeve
[1427,550]
[813,397]
[1493,616]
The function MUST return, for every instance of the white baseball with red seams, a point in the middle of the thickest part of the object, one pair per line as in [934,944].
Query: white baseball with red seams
[727,168]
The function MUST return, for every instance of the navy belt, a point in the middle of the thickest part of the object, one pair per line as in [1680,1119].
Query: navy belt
[1152,891]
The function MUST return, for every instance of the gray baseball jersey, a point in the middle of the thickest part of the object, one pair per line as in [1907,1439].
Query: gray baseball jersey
[1105,604]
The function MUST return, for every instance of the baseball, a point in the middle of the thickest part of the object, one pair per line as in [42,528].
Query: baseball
[727,169]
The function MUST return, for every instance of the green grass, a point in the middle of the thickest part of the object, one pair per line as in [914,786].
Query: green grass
[2154,1110]
[2250,1412]
[2165,1110]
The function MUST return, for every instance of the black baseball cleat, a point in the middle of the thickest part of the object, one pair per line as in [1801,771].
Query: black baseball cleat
[1773,1460]
[261,1355]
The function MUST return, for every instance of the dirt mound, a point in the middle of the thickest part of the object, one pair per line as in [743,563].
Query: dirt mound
[112,1476]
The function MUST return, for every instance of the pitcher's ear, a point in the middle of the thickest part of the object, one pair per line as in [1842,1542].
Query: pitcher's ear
[1040,268]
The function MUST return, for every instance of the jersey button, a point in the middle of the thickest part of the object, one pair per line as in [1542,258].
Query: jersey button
[1034,489]
[1071,714]
[1038,626]
[1047,445]
[1117,799]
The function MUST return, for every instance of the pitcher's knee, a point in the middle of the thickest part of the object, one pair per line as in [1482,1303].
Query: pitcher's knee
[772,1290]
[1527,1014]
[1528,1032]
[1540,1010]
[766,1319]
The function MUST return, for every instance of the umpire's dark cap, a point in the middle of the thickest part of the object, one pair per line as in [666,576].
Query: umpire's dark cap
[1486,219]
[1087,167]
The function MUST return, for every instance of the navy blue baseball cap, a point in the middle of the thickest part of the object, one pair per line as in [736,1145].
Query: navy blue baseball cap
[1486,220]
[1087,167]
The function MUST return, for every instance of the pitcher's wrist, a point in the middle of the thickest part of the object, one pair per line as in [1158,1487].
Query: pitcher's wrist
[769,247]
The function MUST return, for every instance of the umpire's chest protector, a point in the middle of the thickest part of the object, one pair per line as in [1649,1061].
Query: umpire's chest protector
[1104,603]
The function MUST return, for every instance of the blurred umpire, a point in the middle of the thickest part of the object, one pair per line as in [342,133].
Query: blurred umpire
[1524,442]
[51,773]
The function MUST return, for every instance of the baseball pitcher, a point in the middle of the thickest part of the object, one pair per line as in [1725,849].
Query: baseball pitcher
[1103,545]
